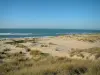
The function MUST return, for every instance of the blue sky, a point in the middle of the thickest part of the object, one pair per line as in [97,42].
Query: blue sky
[69,14]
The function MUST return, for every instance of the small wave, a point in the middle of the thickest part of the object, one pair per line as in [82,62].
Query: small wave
[15,33]
[23,34]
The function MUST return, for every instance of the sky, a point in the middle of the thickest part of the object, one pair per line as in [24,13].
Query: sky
[67,14]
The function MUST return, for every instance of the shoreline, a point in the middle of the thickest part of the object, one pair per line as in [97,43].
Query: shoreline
[25,37]
[49,36]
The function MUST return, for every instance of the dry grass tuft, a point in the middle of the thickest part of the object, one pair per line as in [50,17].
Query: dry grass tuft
[82,52]
[48,66]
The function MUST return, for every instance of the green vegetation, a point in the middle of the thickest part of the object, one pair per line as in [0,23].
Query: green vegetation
[7,49]
[13,42]
[44,45]
[37,52]
[50,43]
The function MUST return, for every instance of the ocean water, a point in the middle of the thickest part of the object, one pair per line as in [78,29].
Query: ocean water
[17,33]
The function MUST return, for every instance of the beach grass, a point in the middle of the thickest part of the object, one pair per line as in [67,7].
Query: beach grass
[84,37]
[45,64]
[48,65]
[86,53]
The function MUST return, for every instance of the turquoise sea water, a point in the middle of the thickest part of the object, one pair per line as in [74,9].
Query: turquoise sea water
[16,33]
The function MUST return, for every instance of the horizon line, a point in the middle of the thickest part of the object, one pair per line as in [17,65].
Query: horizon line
[52,28]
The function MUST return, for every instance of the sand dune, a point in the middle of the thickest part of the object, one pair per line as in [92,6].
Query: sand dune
[56,46]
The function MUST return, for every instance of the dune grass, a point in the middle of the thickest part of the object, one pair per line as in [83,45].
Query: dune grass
[90,38]
[85,37]
[44,64]
[82,52]
[14,42]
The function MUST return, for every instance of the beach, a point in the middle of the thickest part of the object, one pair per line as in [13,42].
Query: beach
[73,47]
[54,45]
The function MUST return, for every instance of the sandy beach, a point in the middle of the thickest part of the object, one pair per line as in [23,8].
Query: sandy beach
[55,55]
[55,46]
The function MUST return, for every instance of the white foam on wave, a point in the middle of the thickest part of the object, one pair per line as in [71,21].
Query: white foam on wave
[23,33]
[16,34]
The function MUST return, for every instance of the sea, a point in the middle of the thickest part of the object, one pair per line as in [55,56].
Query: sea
[20,33]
